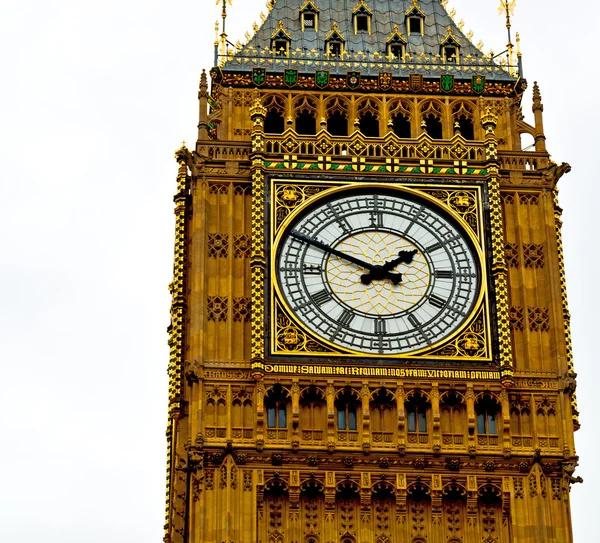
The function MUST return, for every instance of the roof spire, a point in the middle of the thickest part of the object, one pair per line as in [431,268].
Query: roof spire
[224,18]
[508,8]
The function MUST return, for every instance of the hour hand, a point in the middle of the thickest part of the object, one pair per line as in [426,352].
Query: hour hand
[385,270]
[404,257]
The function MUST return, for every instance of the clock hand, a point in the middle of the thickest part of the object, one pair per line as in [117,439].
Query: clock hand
[331,250]
[404,257]
[383,271]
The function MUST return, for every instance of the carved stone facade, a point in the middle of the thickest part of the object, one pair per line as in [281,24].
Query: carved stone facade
[273,436]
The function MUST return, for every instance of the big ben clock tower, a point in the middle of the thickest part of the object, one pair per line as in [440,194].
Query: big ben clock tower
[369,330]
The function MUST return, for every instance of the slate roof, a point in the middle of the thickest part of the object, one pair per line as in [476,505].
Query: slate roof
[386,14]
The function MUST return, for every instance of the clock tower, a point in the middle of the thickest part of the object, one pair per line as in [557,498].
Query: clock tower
[369,338]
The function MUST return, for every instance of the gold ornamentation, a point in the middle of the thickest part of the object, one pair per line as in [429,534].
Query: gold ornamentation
[257,260]
[463,202]
[290,339]
[528,199]
[217,188]
[533,255]
[511,252]
[516,318]
[217,308]
[242,246]
[499,268]
[288,197]
[242,309]
[471,343]
[539,319]
[218,245]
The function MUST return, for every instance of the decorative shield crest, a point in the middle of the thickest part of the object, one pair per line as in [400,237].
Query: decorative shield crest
[385,80]
[415,82]
[259,76]
[353,80]
[290,77]
[446,82]
[478,83]
[322,78]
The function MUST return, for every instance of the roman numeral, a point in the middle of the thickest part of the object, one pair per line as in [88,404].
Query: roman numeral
[434,247]
[345,318]
[321,297]
[444,274]
[380,327]
[341,221]
[310,269]
[414,321]
[436,301]
[376,218]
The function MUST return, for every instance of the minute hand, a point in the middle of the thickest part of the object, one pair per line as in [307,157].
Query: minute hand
[333,251]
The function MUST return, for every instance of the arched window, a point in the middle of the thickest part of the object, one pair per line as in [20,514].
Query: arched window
[337,124]
[452,411]
[401,126]
[309,16]
[306,116]
[313,414]
[276,402]
[361,17]
[242,415]
[487,410]
[280,42]
[347,413]
[274,121]
[413,18]
[383,417]
[464,126]
[417,407]
[368,118]
[433,126]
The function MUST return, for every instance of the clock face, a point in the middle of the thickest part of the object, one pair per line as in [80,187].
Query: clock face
[383,273]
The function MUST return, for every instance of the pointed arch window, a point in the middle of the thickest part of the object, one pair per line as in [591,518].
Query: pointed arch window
[276,402]
[347,413]
[361,18]
[309,17]
[280,40]
[334,43]
[396,44]
[414,19]
[417,407]
[450,48]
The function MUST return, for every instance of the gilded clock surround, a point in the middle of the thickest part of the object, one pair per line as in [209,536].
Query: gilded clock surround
[454,444]
[289,337]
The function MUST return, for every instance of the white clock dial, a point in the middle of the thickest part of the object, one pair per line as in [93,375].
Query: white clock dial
[377,273]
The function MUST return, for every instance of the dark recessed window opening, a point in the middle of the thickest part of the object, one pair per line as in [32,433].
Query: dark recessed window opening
[414,25]
[280,47]
[362,23]
[306,124]
[401,126]
[309,20]
[276,415]
[346,416]
[337,124]
[434,126]
[334,48]
[274,122]
[397,50]
[369,125]
[451,54]
[466,128]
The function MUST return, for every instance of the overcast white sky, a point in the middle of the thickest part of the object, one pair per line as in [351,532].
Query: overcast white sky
[94,100]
